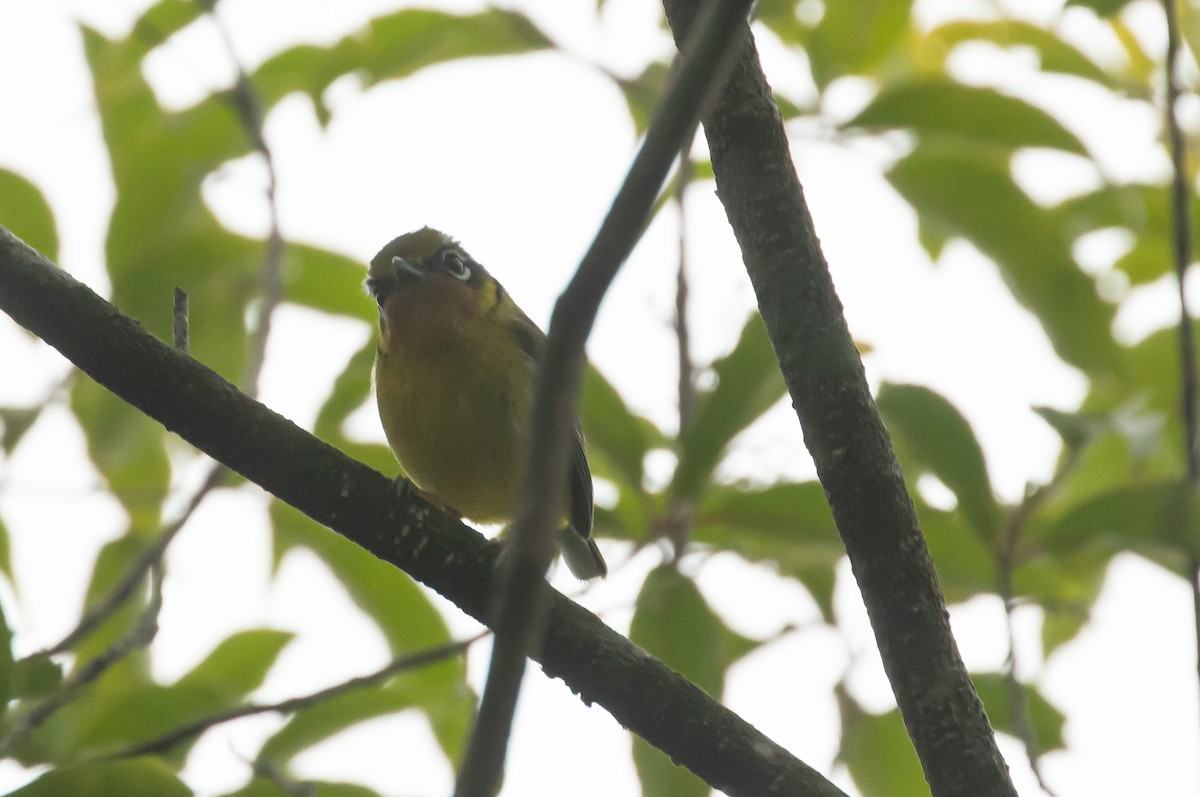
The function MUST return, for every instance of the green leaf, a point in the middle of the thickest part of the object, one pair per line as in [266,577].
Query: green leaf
[26,213]
[855,36]
[17,421]
[8,676]
[34,676]
[933,437]
[394,46]
[129,450]
[1160,520]
[674,622]
[877,751]
[239,664]
[113,562]
[788,524]
[643,92]
[351,390]
[1066,586]
[315,724]
[1043,719]
[977,199]
[965,566]
[139,777]
[1142,209]
[403,613]
[748,384]
[1055,54]
[5,555]
[780,17]
[326,281]
[1104,8]
[613,432]
[261,787]
[976,116]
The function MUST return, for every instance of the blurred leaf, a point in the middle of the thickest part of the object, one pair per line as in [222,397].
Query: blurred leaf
[877,751]
[780,17]
[8,677]
[854,36]
[979,201]
[239,664]
[351,390]
[1044,719]
[788,524]
[162,20]
[1054,54]
[315,724]
[643,92]
[17,421]
[261,787]
[977,116]
[1160,520]
[1104,8]
[674,623]
[113,562]
[139,777]
[612,430]
[34,676]
[394,46]
[1142,209]
[1075,428]
[748,384]
[965,567]
[5,555]
[129,450]
[933,437]
[26,213]
[403,613]
[326,281]
[1066,586]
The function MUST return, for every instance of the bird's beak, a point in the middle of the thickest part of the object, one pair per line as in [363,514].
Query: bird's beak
[385,274]
[406,266]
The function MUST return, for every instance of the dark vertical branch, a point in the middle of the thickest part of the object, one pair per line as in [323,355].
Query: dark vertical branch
[519,614]
[757,184]
[1182,249]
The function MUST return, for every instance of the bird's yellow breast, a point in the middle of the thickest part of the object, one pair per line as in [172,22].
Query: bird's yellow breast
[454,397]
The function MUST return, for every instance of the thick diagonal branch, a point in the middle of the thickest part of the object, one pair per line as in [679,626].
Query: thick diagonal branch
[757,184]
[364,506]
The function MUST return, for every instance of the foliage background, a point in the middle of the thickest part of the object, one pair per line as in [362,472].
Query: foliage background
[1015,145]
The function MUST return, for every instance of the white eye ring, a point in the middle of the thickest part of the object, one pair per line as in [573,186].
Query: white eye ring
[456,266]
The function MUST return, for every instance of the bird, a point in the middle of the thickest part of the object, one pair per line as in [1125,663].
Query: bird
[454,376]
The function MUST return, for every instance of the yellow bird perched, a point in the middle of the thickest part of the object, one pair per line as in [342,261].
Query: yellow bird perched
[454,377]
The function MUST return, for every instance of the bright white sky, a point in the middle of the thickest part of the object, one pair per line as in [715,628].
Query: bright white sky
[524,190]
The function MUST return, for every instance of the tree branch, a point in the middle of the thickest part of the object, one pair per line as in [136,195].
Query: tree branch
[366,508]
[757,184]
[700,67]
[1181,192]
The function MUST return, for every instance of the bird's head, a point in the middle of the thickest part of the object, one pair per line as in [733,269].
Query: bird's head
[427,287]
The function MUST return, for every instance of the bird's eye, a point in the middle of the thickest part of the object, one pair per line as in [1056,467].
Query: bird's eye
[456,266]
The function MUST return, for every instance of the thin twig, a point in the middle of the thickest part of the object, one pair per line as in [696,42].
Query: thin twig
[136,637]
[1018,705]
[250,112]
[173,737]
[150,559]
[677,523]
[182,331]
[1182,246]
[518,606]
